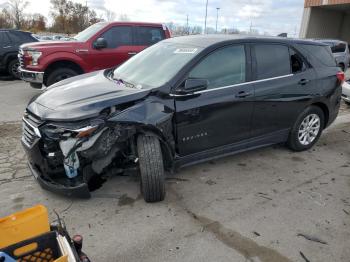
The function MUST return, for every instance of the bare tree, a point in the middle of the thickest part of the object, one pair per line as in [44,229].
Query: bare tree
[110,15]
[123,17]
[17,11]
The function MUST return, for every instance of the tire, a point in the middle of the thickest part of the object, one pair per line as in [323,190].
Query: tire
[36,85]
[151,168]
[13,68]
[296,141]
[348,103]
[60,74]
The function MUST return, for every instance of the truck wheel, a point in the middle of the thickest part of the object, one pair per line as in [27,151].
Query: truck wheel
[13,68]
[60,74]
[151,168]
[307,129]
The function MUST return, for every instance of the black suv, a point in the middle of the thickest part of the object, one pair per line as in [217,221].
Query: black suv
[182,101]
[10,40]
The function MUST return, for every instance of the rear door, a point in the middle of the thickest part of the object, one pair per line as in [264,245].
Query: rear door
[283,86]
[221,114]
[120,47]
[147,35]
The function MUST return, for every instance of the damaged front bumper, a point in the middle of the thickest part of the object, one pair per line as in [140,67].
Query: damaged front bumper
[79,191]
[96,156]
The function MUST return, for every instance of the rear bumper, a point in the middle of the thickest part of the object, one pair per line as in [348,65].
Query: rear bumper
[31,76]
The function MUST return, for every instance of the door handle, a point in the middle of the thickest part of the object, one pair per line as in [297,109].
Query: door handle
[132,53]
[243,94]
[303,82]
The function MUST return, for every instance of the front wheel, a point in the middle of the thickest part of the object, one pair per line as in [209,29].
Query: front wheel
[151,168]
[60,74]
[307,129]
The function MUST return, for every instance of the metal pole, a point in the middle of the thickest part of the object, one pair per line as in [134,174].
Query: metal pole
[205,21]
[217,17]
[187,28]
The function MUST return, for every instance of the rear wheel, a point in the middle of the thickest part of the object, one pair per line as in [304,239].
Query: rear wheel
[13,68]
[60,74]
[151,168]
[307,129]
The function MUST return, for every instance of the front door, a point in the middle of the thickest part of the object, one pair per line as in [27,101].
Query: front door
[221,114]
[120,47]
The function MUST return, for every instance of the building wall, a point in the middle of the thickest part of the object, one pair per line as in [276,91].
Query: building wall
[345,30]
[324,23]
[309,3]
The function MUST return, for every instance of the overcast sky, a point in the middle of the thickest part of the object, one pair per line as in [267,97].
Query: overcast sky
[272,16]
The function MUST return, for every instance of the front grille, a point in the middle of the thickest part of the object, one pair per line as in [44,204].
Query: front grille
[20,58]
[31,133]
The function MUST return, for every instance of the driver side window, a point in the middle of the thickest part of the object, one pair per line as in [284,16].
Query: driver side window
[118,36]
[224,67]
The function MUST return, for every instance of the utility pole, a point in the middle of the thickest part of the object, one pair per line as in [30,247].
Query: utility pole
[251,25]
[187,28]
[205,20]
[217,18]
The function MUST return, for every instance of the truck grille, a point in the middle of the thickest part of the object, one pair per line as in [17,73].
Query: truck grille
[31,133]
[20,57]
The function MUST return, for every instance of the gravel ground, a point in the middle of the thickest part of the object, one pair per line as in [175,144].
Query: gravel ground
[267,205]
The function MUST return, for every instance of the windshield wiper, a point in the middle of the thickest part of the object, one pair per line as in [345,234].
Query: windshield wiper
[121,81]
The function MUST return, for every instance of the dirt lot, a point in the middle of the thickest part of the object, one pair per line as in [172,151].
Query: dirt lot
[267,205]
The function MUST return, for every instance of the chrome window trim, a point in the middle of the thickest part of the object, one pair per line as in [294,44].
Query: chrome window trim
[240,84]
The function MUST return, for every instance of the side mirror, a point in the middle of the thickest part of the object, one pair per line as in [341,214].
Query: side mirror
[100,43]
[194,85]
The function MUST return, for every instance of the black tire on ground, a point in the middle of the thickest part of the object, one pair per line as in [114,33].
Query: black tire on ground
[293,140]
[36,85]
[60,74]
[13,68]
[151,168]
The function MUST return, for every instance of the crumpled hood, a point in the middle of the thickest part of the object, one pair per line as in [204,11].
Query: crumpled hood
[81,97]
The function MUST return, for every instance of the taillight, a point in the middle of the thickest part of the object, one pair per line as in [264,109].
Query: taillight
[341,76]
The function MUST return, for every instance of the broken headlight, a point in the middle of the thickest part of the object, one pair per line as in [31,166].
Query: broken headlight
[58,131]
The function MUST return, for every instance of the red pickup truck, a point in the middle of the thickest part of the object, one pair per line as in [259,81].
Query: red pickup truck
[102,45]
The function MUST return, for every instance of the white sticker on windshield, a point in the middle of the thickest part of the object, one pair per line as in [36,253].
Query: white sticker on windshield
[185,51]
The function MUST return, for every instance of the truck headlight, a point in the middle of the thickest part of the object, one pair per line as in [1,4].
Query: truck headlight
[34,55]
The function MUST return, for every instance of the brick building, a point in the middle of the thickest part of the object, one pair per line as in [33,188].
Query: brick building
[326,19]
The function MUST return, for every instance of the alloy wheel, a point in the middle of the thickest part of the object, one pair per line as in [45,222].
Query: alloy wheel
[309,129]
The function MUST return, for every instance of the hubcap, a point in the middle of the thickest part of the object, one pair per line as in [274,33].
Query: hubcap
[309,129]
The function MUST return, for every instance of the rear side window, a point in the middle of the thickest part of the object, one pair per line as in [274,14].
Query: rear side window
[339,48]
[224,67]
[146,35]
[296,62]
[272,61]
[118,36]
[322,54]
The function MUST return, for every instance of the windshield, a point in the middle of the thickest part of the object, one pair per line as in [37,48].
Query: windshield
[89,32]
[156,65]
